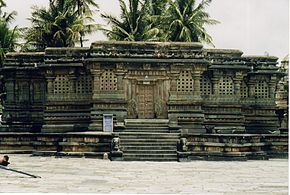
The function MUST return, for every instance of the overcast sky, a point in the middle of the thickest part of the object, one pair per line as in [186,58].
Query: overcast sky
[253,26]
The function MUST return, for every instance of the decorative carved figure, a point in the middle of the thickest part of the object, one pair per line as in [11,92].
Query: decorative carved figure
[115,144]
[132,108]
[183,142]
[159,107]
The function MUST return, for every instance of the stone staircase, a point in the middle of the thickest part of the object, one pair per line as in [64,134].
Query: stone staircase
[148,140]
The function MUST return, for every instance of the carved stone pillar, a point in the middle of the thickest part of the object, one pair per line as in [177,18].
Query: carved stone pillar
[73,81]
[50,83]
[120,85]
[197,72]
[24,91]
[237,87]
[10,91]
[237,84]
[272,87]
[96,81]
[251,85]
[196,87]
[215,86]
[120,75]
[173,82]
[215,81]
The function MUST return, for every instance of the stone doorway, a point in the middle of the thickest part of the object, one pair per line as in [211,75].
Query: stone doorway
[145,101]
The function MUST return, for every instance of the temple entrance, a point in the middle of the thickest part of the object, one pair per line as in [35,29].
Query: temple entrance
[146,101]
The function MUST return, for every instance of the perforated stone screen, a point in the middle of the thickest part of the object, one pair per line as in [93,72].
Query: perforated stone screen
[261,89]
[226,86]
[108,81]
[84,84]
[61,84]
[205,85]
[185,82]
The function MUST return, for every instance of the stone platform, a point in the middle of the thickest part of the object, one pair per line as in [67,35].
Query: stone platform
[86,175]
[136,146]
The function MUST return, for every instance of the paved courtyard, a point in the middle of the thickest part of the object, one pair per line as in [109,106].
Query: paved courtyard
[81,175]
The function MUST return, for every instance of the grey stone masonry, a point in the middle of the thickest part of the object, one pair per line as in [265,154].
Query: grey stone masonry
[69,89]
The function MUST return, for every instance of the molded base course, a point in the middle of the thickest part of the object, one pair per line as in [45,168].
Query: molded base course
[95,144]
[73,144]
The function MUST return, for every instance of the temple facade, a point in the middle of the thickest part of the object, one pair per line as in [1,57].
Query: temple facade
[195,90]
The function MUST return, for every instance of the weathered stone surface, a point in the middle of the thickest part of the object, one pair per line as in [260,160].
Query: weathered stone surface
[183,82]
[85,175]
[196,90]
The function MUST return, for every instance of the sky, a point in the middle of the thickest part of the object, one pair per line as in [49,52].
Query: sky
[256,27]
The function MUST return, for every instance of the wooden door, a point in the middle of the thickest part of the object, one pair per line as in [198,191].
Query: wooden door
[146,101]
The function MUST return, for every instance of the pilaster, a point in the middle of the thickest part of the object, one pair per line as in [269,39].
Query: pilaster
[237,84]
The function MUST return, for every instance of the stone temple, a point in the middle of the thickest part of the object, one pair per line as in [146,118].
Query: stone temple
[143,101]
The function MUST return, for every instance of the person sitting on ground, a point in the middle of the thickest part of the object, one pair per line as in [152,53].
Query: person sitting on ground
[4,160]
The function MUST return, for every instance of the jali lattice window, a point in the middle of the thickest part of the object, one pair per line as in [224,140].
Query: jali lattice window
[244,90]
[261,89]
[185,82]
[226,86]
[84,84]
[108,81]
[61,84]
[205,85]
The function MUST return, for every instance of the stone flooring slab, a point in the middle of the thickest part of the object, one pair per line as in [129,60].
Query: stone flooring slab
[87,175]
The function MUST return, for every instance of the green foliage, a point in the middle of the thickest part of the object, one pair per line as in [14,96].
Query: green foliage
[185,21]
[161,20]
[156,14]
[133,24]
[62,24]
[8,36]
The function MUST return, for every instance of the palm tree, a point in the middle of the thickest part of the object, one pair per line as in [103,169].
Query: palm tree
[8,36]
[8,41]
[133,24]
[156,13]
[84,7]
[185,21]
[60,25]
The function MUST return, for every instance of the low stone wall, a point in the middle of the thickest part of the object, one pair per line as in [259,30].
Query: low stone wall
[191,147]
[89,144]
[232,147]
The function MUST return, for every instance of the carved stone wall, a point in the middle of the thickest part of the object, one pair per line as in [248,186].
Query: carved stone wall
[69,89]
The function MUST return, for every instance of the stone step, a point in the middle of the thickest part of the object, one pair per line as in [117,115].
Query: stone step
[155,159]
[149,134]
[124,140]
[150,130]
[139,152]
[136,143]
[146,121]
[148,127]
[150,157]
[147,139]
[145,136]
[146,147]
[134,130]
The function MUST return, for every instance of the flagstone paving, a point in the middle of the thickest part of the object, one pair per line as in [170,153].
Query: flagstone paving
[82,175]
